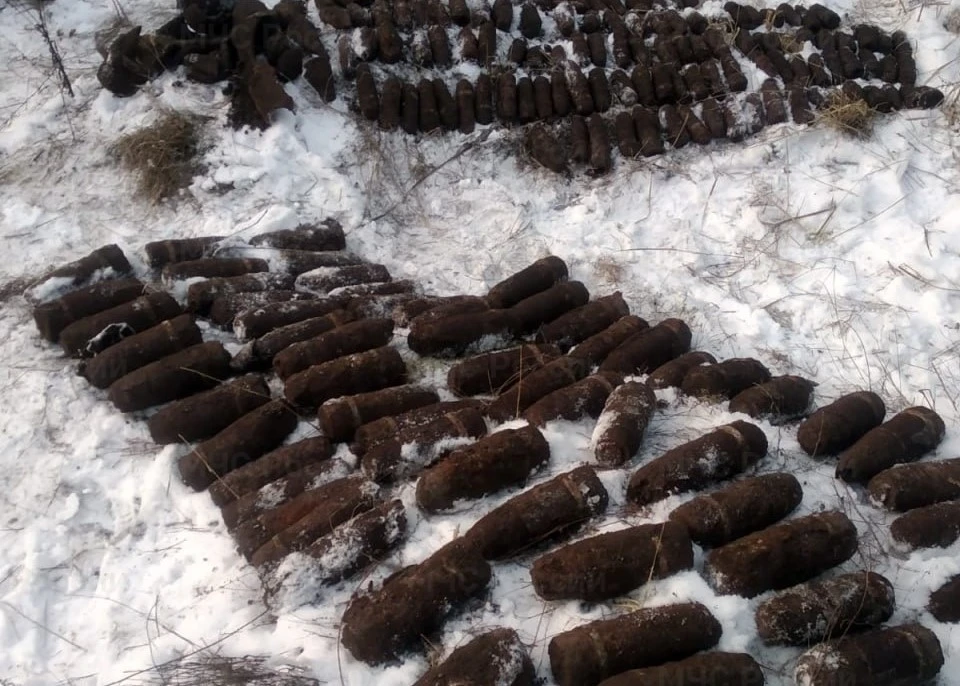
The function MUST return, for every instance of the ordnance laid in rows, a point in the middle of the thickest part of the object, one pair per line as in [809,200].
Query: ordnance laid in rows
[225,308]
[622,424]
[328,235]
[612,564]
[539,383]
[176,376]
[889,656]
[492,372]
[590,653]
[250,437]
[372,434]
[341,417]
[499,461]
[598,347]
[905,437]
[539,276]
[837,426]
[160,253]
[716,518]
[412,603]
[200,295]
[206,414]
[107,262]
[647,350]
[724,379]
[495,657]
[418,447]
[713,668]
[357,373]
[267,347]
[933,526]
[340,499]
[350,338]
[448,307]
[538,309]
[53,316]
[782,555]
[821,610]
[212,267]
[588,320]
[259,321]
[586,397]
[141,349]
[325,279]
[90,335]
[944,602]
[547,512]
[463,333]
[672,373]
[350,548]
[544,147]
[274,465]
[779,400]
[724,452]
[910,486]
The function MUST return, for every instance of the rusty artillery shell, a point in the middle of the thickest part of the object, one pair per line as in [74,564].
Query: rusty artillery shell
[97,332]
[612,564]
[160,253]
[622,87]
[429,116]
[905,437]
[696,129]
[466,108]
[325,279]
[647,125]
[507,98]
[205,414]
[501,13]
[839,425]
[270,345]
[944,602]
[622,424]
[547,512]
[559,94]
[599,89]
[225,308]
[487,38]
[592,652]
[583,322]
[546,149]
[292,262]
[417,447]
[53,316]
[889,656]
[250,437]
[380,430]
[642,81]
[598,347]
[352,337]
[724,452]
[539,383]
[341,417]
[600,149]
[410,109]
[463,333]
[724,379]
[933,526]
[260,321]
[579,140]
[586,397]
[780,399]
[782,555]
[141,349]
[276,464]
[716,518]
[200,296]
[317,509]
[579,89]
[919,484]
[543,307]
[672,373]
[526,104]
[448,307]
[543,97]
[412,603]
[496,657]
[499,461]
[104,263]
[212,267]
[391,95]
[650,348]
[493,372]
[818,611]
[446,105]
[627,141]
[674,126]
[176,376]
[714,668]
[348,375]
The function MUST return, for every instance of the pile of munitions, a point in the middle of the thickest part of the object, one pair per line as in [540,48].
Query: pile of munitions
[535,347]
[580,76]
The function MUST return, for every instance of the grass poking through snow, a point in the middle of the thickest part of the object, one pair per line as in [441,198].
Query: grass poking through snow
[848,115]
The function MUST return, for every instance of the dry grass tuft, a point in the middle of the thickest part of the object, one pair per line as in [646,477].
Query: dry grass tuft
[163,155]
[218,670]
[951,22]
[849,115]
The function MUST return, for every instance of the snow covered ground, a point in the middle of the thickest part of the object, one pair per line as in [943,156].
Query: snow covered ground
[821,255]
